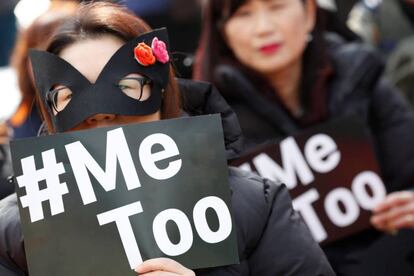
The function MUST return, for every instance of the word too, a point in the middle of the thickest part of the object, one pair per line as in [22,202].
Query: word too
[121,217]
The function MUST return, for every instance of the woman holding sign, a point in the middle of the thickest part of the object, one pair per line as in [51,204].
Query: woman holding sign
[281,74]
[90,60]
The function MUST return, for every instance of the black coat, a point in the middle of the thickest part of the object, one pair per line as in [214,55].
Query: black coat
[272,238]
[5,171]
[355,88]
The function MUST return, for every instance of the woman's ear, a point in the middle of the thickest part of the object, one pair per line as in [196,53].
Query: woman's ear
[310,10]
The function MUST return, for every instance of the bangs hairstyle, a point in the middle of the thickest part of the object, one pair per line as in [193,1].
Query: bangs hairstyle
[102,18]
[213,49]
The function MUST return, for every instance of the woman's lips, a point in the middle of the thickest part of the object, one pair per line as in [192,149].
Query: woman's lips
[270,48]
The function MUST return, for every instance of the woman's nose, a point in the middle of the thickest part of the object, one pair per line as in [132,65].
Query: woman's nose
[99,118]
[263,24]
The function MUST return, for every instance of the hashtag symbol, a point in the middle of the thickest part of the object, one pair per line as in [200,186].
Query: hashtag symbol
[54,190]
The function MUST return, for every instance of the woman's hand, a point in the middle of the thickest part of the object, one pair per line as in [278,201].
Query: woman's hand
[395,212]
[163,267]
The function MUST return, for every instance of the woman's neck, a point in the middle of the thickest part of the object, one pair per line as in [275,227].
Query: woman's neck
[286,84]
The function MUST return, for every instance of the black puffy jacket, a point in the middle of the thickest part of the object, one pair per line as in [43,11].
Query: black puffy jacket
[272,238]
[5,171]
[356,88]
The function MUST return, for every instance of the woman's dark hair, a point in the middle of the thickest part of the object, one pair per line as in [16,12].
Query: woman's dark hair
[102,18]
[213,49]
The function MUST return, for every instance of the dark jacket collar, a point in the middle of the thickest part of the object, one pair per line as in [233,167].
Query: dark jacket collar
[202,98]
[357,67]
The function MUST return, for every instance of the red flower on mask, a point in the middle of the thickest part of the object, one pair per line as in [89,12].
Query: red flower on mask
[144,55]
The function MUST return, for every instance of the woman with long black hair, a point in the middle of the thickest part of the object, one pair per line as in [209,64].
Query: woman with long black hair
[281,74]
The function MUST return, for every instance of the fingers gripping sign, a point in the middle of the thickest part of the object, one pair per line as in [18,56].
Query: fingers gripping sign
[163,267]
[395,212]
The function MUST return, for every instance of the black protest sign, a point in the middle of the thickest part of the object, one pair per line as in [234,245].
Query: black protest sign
[332,175]
[98,202]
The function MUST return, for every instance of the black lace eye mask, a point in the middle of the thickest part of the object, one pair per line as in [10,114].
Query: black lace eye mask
[105,96]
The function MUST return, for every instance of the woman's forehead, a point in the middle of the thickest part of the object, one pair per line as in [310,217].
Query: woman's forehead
[89,56]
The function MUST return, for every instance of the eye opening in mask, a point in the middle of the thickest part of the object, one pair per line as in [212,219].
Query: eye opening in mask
[136,86]
[58,98]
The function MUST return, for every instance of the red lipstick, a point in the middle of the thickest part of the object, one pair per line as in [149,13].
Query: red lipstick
[270,48]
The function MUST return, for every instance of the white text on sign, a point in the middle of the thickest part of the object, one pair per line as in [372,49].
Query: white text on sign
[84,165]
[321,155]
